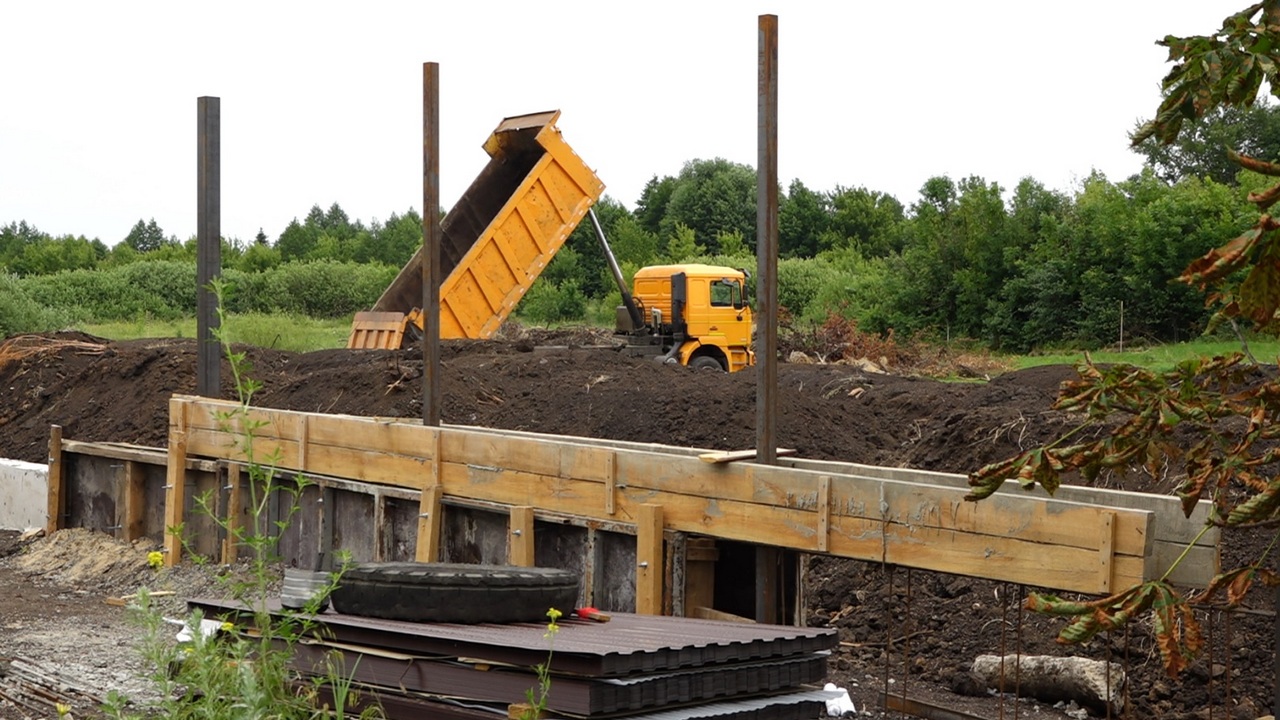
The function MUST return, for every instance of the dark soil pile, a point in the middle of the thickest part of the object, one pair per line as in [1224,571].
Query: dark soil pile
[931,625]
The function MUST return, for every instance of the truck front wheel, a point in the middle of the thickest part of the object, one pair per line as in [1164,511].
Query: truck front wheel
[706,362]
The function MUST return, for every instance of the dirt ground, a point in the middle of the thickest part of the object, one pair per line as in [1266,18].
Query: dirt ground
[931,625]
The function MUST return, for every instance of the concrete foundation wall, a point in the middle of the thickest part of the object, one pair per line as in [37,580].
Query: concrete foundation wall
[24,488]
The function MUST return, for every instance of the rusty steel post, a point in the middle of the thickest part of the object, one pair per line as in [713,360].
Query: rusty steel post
[767,243]
[208,241]
[431,244]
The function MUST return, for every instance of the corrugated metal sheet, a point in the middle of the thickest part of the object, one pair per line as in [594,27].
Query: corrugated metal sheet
[627,645]
[804,705]
[573,694]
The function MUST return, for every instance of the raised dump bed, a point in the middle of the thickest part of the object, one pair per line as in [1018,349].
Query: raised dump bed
[496,240]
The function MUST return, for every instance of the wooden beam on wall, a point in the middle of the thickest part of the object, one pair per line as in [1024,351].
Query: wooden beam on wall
[233,517]
[649,561]
[520,537]
[430,522]
[135,501]
[175,498]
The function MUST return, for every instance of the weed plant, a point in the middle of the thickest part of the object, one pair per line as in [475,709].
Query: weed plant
[240,668]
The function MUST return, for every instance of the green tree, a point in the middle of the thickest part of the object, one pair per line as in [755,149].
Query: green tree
[710,197]
[652,206]
[1201,148]
[867,220]
[804,218]
[297,240]
[397,240]
[146,237]
[683,245]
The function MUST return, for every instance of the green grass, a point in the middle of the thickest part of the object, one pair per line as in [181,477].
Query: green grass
[1157,357]
[302,334]
[282,332]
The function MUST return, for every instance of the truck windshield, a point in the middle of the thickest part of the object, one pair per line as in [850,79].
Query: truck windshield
[725,293]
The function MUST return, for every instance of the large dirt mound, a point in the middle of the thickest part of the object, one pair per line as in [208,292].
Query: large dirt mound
[100,390]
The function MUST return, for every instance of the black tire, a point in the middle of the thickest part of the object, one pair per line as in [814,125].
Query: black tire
[455,593]
[706,362]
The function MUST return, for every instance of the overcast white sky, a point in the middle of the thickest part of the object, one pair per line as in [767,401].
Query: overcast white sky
[321,101]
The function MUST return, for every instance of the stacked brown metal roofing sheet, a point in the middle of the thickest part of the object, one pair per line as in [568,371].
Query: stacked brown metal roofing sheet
[632,667]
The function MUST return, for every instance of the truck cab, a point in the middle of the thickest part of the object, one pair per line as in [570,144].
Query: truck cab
[693,314]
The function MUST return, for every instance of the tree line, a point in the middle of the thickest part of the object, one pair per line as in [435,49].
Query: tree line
[1014,268]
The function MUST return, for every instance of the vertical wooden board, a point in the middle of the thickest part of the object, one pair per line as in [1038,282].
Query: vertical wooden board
[474,536]
[134,488]
[590,568]
[431,522]
[611,484]
[824,512]
[401,532]
[1106,547]
[379,549]
[56,499]
[565,547]
[650,563]
[700,572]
[202,531]
[154,479]
[354,524]
[615,584]
[175,500]
[298,538]
[520,536]
[234,515]
[766,587]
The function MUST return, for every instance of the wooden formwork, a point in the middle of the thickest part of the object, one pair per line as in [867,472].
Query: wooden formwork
[635,518]
[1037,541]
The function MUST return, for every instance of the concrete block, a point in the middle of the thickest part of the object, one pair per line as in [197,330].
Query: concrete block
[24,489]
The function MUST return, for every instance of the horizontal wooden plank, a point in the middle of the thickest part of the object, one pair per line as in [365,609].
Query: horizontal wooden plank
[382,435]
[353,463]
[132,453]
[1171,524]
[984,556]
[724,456]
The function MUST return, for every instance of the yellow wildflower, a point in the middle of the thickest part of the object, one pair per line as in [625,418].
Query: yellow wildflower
[63,709]
[552,627]
[155,559]
[226,626]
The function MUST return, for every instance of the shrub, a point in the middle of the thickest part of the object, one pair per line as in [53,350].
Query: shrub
[19,313]
[322,288]
[547,302]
